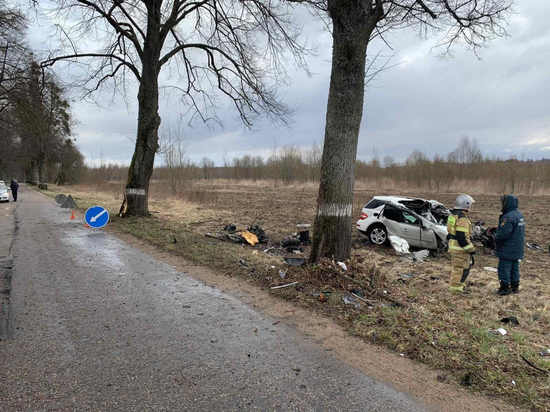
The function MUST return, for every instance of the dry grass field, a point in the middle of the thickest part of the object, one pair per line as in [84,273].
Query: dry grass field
[444,330]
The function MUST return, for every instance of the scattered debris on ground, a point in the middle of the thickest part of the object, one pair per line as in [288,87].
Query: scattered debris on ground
[294,261]
[497,332]
[230,227]
[259,232]
[349,300]
[284,286]
[250,238]
[510,319]
[534,246]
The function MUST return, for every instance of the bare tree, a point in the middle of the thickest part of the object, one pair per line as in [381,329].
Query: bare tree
[14,54]
[234,46]
[354,24]
[467,151]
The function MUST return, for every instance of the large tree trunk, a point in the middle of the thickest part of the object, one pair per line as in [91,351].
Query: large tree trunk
[141,168]
[352,26]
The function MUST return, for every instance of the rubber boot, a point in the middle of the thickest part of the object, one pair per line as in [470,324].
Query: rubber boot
[515,287]
[504,289]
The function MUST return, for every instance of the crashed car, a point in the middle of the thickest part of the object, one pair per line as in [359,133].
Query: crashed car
[4,194]
[422,223]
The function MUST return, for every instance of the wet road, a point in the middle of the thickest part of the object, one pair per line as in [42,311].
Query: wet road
[96,325]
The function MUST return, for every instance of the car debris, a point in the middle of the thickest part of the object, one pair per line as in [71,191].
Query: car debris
[545,352]
[282,273]
[349,300]
[534,246]
[342,265]
[404,277]
[400,245]
[510,319]
[250,238]
[290,241]
[490,269]
[284,286]
[294,261]
[230,227]
[497,332]
[244,263]
[294,249]
[304,237]
[419,256]
[484,235]
[236,237]
[259,232]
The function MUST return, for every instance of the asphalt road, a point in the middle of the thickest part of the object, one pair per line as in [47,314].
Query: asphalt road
[96,325]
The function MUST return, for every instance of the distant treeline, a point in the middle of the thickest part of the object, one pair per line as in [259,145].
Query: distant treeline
[464,168]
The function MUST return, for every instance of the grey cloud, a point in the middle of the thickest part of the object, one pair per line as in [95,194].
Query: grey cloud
[425,103]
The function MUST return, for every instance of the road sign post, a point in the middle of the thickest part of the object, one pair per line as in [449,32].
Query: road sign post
[96,216]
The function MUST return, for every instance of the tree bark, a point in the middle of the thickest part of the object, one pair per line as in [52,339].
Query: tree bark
[141,167]
[353,22]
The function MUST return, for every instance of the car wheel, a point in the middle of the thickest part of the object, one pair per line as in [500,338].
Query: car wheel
[378,235]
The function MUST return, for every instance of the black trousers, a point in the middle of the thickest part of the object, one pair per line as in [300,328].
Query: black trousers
[14,194]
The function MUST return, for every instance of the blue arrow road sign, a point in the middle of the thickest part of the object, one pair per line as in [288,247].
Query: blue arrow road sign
[96,216]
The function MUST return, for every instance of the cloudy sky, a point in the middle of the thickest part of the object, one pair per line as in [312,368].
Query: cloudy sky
[425,103]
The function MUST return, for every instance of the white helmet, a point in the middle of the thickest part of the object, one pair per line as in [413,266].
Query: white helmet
[464,202]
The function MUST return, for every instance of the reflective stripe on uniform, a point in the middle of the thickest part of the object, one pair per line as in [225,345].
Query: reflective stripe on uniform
[454,245]
[462,229]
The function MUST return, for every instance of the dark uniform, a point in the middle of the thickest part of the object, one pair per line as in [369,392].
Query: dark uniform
[509,241]
[14,186]
[460,248]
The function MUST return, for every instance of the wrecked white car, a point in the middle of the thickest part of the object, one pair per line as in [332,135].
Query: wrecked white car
[422,223]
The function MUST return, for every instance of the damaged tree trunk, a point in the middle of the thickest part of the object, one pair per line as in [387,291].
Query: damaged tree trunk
[353,22]
[141,168]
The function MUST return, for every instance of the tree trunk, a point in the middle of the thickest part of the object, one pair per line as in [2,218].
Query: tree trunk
[141,168]
[353,22]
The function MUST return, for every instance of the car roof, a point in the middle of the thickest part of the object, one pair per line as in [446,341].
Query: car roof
[393,198]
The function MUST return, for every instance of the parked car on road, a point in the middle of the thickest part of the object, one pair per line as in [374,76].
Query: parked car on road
[422,223]
[4,193]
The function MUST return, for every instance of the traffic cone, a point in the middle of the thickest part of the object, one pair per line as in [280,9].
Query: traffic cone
[73,216]
[86,224]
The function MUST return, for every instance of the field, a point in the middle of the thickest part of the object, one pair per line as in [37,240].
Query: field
[447,331]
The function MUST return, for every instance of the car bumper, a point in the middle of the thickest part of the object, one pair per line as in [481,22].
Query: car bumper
[4,198]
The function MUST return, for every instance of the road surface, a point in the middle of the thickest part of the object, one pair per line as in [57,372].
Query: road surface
[97,325]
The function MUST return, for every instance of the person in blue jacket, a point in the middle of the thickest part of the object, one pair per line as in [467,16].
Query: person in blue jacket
[509,243]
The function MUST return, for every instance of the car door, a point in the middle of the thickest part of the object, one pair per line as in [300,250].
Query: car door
[411,229]
[428,237]
[403,225]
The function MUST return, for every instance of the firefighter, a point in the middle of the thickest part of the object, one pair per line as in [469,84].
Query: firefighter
[509,241]
[460,244]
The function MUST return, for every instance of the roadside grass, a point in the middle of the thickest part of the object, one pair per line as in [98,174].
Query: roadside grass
[450,332]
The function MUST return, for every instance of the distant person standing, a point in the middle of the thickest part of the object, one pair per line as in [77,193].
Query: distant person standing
[509,241]
[460,242]
[14,186]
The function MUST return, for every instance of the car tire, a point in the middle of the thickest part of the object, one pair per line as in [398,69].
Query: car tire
[378,234]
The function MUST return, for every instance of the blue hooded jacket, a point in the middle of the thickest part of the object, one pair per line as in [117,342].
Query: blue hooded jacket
[510,236]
